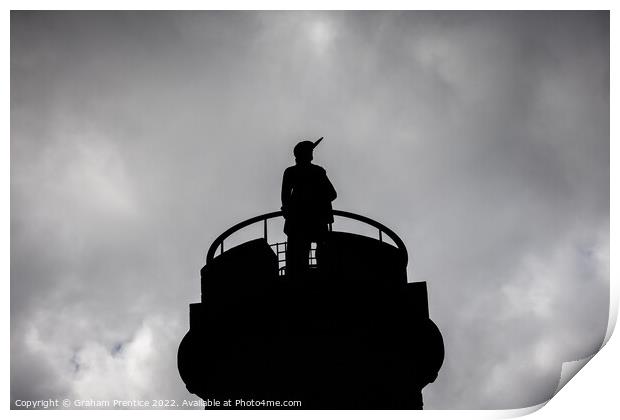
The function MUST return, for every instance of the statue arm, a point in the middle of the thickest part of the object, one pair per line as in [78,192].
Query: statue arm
[286,191]
[330,190]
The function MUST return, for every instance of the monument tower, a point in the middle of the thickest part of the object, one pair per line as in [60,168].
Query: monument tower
[344,330]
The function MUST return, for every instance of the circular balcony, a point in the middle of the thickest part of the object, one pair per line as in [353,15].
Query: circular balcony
[218,246]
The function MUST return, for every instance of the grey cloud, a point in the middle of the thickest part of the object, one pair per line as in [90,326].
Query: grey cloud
[482,138]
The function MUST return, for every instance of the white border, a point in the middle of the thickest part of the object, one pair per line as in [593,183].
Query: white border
[593,394]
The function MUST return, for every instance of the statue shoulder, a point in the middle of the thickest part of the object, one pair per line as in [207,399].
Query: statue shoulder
[319,169]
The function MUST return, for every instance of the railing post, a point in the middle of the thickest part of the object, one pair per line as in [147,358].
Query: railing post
[265,229]
[221,247]
[380,236]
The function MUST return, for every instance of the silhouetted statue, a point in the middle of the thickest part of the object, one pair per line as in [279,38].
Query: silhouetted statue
[307,195]
[352,334]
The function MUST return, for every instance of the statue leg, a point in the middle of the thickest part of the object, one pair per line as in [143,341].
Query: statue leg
[297,254]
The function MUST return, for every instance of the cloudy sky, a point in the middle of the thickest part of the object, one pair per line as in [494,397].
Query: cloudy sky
[482,139]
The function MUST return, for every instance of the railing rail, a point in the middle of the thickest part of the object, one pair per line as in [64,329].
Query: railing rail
[219,241]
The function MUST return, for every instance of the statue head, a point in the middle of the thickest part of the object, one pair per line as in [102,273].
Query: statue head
[303,151]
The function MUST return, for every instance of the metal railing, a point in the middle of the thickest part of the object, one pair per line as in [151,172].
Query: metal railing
[219,241]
